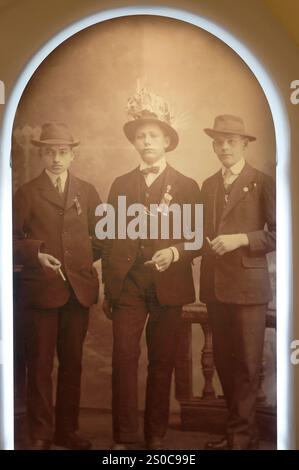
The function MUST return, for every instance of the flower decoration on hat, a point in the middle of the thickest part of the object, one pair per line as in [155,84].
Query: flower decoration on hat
[146,107]
[145,103]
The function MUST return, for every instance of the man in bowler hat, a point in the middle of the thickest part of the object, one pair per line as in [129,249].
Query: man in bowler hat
[147,280]
[239,230]
[54,222]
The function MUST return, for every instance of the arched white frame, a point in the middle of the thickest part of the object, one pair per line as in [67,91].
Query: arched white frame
[284,241]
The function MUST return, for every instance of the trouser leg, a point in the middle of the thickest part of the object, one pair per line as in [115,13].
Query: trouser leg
[41,335]
[221,321]
[72,329]
[238,339]
[248,333]
[129,317]
[162,335]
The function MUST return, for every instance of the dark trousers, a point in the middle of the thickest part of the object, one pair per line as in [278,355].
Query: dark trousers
[64,329]
[135,306]
[238,339]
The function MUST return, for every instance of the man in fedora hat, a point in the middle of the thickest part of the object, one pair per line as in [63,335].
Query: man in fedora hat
[54,221]
[147,279]
[239,230]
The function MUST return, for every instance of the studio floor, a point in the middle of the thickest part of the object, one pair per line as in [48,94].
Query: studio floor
[95,425]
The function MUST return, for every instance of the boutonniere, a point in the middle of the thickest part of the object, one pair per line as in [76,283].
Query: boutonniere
[77,204]
[166,200]
[251,187]
[167,197]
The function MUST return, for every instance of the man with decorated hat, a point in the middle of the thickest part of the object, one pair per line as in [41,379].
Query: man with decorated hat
[54,221]
[147,279]
[239,230]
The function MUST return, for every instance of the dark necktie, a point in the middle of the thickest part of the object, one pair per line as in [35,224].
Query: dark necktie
[150,169]
[227,183]
[227,178]
[59,185]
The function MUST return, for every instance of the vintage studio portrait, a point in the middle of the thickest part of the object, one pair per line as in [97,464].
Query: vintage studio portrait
[143,153]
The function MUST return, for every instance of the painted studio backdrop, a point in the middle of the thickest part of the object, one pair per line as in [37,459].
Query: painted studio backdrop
[86,83]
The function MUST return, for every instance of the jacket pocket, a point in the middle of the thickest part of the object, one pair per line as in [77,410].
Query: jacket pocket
[254,262]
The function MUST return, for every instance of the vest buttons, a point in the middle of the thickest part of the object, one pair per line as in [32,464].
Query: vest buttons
[146,194]
[128,258]
[61,212]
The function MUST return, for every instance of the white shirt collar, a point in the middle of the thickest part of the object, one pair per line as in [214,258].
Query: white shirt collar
[53,178]
[236,168]
[160,163]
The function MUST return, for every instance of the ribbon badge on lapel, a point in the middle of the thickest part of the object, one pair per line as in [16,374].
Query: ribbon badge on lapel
[77,204]
[165,201]
[163,205]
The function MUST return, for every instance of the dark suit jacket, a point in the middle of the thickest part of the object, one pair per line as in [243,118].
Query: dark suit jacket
[42,221]
[173,286]
[241,276]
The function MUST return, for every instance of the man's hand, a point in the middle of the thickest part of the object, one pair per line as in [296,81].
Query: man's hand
[49,262]
[226,243]
[107,307]
[163,259]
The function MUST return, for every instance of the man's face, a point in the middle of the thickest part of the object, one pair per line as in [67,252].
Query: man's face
[56,158]
[229,148]
[151,142]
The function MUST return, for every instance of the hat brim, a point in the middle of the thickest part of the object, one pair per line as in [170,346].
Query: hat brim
[213,133]
[40,143]
[131,127]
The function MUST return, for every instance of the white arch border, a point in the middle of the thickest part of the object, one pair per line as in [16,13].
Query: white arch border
[284,245]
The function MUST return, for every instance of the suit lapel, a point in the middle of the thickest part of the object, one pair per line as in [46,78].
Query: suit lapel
[170,181]
[133,188]
[73,192]
[48,191]
[169,185]
[239,189]
[215,189]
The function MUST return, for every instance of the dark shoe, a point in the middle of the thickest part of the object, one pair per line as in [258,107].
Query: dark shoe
[40,444]
[72,441]
[119,446]
[253,445]
[221,444]
[236,447]
[155,443]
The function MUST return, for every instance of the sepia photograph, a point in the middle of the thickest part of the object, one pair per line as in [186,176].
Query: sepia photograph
[144,239]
